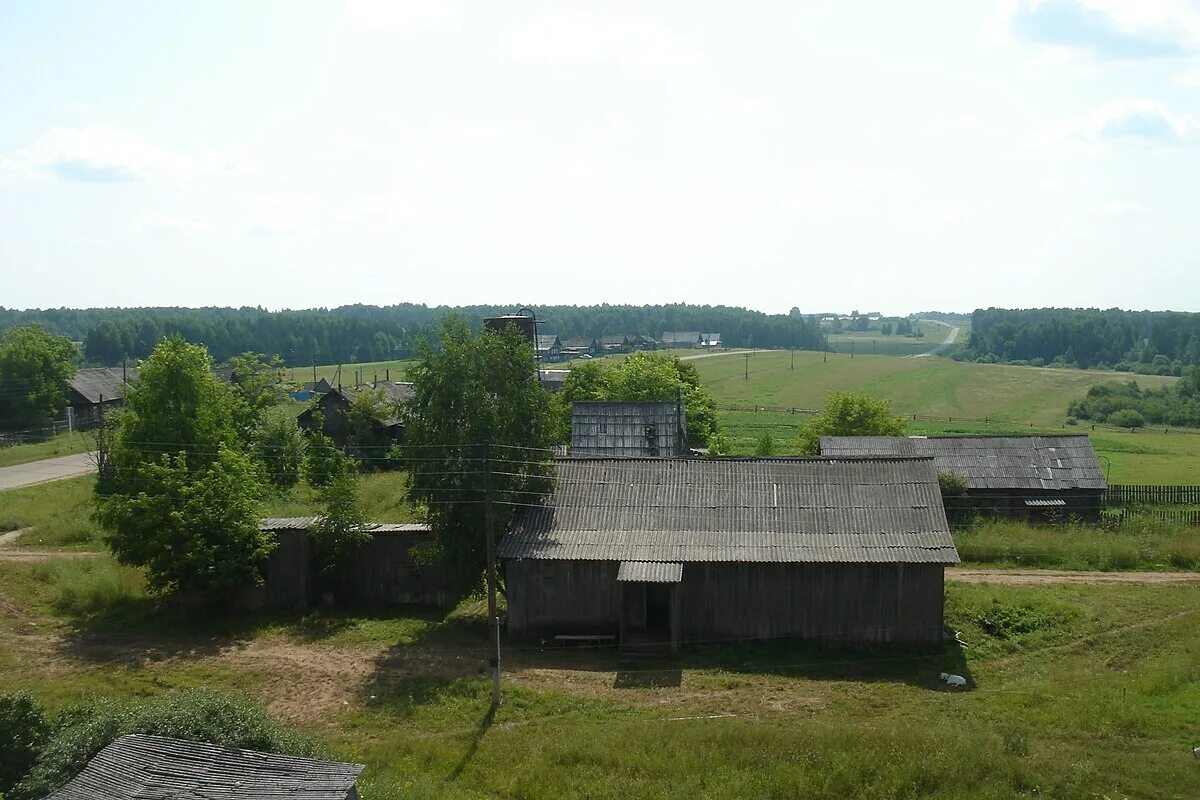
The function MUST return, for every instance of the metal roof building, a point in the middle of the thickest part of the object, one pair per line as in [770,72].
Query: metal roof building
[636,429]
[158,768]
[1003,474]
[671,550]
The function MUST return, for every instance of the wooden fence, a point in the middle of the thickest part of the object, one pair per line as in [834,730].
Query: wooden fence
[1122,494]
[1119,517]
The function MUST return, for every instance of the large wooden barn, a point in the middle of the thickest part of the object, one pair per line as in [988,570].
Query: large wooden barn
[848,551]
[1049,478]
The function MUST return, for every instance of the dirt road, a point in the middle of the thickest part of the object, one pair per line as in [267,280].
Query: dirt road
[51,469]
[1041,577]
[950,339]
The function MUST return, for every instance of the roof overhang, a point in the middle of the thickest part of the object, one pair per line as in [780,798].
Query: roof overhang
[650,572]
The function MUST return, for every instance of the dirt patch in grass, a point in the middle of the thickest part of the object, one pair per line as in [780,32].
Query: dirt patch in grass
[1041,577]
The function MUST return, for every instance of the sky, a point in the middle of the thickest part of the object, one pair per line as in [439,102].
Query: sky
[897,157]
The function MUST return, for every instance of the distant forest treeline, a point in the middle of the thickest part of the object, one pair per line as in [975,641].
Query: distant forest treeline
[376,333]
[1160,342]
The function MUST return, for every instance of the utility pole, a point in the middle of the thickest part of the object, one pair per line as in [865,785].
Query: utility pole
[489,527]
[852,348]
[747,365]
[793,366]
[825,350]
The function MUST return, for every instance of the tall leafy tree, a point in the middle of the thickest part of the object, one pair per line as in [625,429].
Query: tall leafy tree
[642,376]
[850,414]
[35,368]
[256,385]
[178,495]
[477,408]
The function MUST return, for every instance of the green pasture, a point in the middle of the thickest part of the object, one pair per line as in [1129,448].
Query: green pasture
[1074,691]
[64,444]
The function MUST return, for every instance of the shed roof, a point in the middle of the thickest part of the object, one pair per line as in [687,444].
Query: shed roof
[681,336]
[650,572]
[158,768]
[741,510]
[545,341]
[107,382]
[643,428]
[990,462]
[578,343]
[304,523]
[614,339]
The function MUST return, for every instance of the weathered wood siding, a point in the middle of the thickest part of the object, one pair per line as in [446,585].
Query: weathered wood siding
[1084,504]
[839,603]
[384,572]
[562,596]
[287,575]
[836,603]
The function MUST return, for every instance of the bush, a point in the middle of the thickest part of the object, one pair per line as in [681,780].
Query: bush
[83,586]
[324,461]
[199,715]
[279,446]
[1127,418]
[765,446]
[23,731]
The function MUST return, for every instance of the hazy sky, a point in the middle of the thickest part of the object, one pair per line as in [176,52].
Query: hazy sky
[827,155]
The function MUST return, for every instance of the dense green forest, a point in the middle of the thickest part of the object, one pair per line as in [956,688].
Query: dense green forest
[376,333]
[1155,342]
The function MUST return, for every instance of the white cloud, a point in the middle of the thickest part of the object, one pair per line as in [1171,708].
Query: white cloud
[1123,208]
[1133,121]
[101,155]
[162,223]
[1106,29]
[637,44]
[281,213]
[402,16]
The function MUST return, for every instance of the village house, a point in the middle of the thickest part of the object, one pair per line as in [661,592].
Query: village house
[659,552]
[580,345]
[681,339]
[96,390]
[1048,478]
[549,347]
[553,380]
[616,343]
[330,412]
[710,340]
[630,429]
[385,571]
[160,768]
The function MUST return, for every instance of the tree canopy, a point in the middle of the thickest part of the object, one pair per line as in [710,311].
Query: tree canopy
[641,376]
[850,414]
[477,407]
[35,369]
[177,494]
[360,333]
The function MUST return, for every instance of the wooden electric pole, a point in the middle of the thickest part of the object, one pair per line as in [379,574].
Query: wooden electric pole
[489,525]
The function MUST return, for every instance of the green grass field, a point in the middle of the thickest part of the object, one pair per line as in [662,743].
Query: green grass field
[1010,399]
[1075,692]
[64,444]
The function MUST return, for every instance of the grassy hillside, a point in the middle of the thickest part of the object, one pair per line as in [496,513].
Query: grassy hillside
[1011,399]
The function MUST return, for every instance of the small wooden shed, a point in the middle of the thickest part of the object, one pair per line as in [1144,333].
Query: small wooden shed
[624,428]
[1037,477]
[666,551]
[384,572]
[161,768]
[93,391]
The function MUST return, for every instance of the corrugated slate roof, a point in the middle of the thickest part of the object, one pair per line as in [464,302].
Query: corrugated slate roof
[158,768]
[649,572]
[304,523]
[990,462]
[636,429]
[106,382]
[744,510]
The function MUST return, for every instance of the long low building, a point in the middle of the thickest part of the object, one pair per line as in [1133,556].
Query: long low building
[1039,477]
[664,551]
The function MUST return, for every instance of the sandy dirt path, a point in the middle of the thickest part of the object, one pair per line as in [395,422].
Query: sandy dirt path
[1038,577]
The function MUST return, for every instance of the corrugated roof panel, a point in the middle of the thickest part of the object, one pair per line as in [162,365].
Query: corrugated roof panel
[792,510]
[649,572]
[159,768]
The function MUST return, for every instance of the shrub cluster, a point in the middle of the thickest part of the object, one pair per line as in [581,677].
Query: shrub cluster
[35,764]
